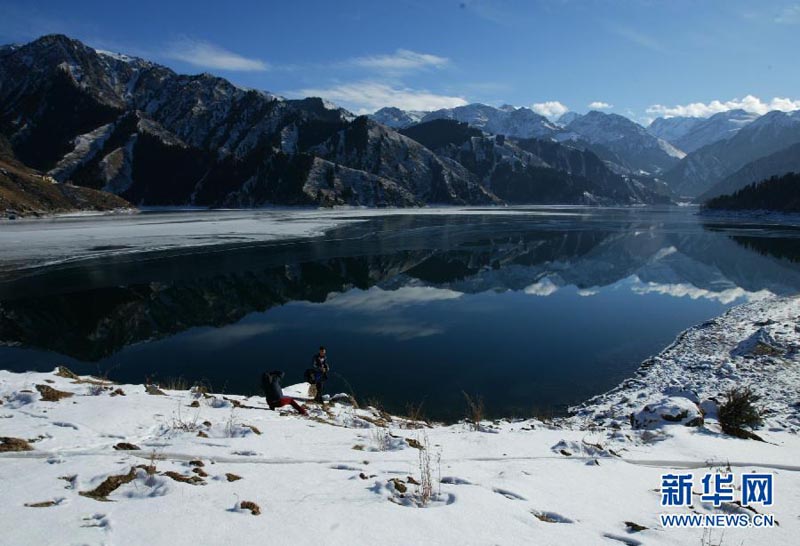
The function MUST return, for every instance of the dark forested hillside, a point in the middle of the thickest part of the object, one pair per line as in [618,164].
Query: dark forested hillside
[779,193]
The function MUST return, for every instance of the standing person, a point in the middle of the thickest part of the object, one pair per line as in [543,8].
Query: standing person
[321,368]
[271,383]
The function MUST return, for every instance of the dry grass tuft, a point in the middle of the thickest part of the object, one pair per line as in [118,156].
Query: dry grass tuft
[109,485]
[49,394]
[125,446]
[253,428]
[250,505]
[152,389]
[194,480]
[475,411]
[63,371]
[44,504]
[196,462]
[232,477]
[118,392]
[14,444]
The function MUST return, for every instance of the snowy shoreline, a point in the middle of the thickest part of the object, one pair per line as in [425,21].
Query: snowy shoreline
[346,475]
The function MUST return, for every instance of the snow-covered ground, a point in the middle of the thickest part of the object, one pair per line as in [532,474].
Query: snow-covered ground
[349,476]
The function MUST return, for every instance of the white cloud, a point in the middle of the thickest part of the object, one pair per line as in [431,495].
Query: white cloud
[544,287]
[550,109]
[686,290]
[367,96]
[378,300]
[600,105]
[749,103]
[790,15]
[401,60]
[207,55]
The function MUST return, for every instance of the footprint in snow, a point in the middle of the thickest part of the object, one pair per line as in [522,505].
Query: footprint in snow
[97,520]
[64,424]
[452,480]
[344,467]
[625,540]
[508,494]
[550,517]
[246,453]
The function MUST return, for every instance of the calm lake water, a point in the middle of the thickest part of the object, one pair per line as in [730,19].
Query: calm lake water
[532,311]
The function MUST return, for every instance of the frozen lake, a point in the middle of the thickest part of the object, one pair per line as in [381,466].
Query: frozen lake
[531,308]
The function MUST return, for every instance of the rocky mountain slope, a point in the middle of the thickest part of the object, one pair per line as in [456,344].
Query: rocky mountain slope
[524,170]
[620,140]
[616,139]
[154,137]
[24,191]
[777,164]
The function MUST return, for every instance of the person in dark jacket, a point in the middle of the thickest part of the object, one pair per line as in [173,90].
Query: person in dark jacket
[321,368]
[271,383]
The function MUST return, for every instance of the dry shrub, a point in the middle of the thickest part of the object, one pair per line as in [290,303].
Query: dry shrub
[740,411]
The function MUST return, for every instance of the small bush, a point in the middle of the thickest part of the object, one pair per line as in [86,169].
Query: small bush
[740,411]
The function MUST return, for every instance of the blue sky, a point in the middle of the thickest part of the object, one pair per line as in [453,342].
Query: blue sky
[640,58]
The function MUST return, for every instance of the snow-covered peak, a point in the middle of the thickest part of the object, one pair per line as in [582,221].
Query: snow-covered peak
[508,120]
[397,118]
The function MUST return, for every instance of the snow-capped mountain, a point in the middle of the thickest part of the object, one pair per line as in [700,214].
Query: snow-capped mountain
[397,118]
[620,140]
[701,169]
[672,129]
[717,127]
[506,120]
[566,119]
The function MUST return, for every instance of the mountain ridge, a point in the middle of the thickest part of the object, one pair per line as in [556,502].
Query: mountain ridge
[156,137]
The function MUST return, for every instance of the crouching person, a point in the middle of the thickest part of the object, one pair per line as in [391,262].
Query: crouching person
[271,383]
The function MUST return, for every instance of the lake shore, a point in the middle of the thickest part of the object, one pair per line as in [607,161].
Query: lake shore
[347,474]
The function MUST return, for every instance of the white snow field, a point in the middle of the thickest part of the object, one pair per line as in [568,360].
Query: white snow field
[349,476]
